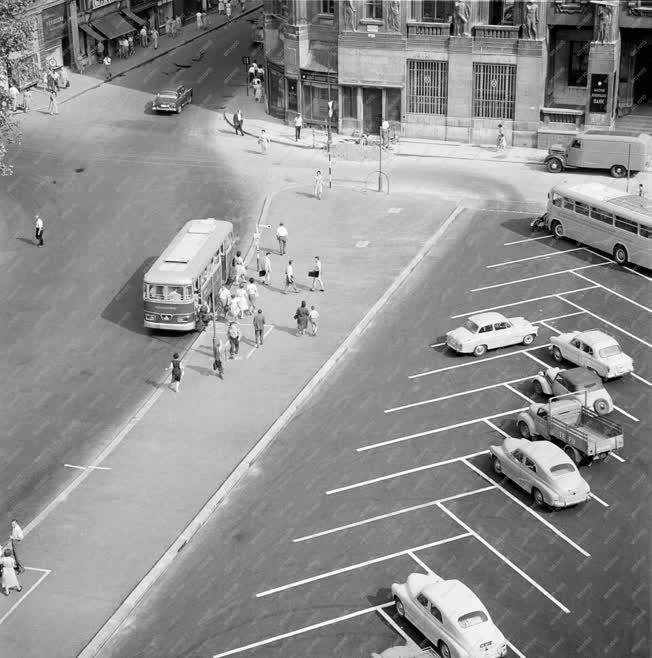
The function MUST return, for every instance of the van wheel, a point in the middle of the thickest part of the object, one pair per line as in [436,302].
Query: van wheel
[498,467]
[400,609]
[573,454]
[479,350]
[554,165]
[601,407]
[620,254]
[538,497]
[557,229]
[524,430]
[618,171]
[538,389]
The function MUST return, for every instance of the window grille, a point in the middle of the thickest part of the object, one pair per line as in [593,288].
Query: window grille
[494,91]
[427,89]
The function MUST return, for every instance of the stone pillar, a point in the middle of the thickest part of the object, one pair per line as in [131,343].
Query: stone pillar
[360,108]
[73,36]
[460,89]
[298,12]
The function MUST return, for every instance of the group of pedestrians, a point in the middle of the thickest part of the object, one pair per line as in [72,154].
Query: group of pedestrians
[14,94]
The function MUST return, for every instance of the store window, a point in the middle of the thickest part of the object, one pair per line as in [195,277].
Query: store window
[373,9]
[293,103]
[578,63]
[315,104]
[393,105]
[349,103]
[327,6]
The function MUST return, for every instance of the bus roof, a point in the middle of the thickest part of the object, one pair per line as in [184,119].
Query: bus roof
[190,250]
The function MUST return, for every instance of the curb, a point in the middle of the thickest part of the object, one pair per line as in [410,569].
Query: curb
[274,141]
[104,635]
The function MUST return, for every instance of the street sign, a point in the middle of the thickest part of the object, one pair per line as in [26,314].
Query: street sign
[246,61]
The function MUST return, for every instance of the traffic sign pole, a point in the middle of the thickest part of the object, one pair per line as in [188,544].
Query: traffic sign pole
[246,61]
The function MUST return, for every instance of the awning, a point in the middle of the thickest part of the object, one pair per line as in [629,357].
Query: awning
[113,26]
[321,61]
[132,17]
[91,32]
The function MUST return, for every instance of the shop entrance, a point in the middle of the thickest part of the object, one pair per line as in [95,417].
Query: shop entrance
[372,110]
[643,76]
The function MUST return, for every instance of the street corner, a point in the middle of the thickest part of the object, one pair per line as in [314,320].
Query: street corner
[29,579]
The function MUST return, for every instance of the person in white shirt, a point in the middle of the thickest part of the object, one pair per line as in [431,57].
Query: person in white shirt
[38,230]
[225,299]
[252,293]
[289,278]
[16,536]
[319,184]
[313,318]
[13,95]
[267,266]
[298,124]
[107,67]
[282,237]
[316,272]
[198,18]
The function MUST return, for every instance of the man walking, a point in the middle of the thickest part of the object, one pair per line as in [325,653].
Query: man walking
[233,333]
[267,267]
[107,67]
[16,536]
[238,121]
[259,327]
[155,38]
[313,319]
[198,18]
[143,37]
[13,95]
[316,275]
[179,23]
[27,100]
[282,237]
[38,230]
[289,278]
[53,107]
[218,351]
[252,293]
[319,184]
[298,124]
[263,141]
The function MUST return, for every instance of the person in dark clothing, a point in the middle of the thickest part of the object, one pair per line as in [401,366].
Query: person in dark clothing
[238,121]
[302,316]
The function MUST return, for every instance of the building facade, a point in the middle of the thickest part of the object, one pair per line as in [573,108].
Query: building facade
[454,69]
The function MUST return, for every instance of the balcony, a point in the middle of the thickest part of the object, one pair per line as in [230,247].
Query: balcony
[496,31]
[421,30]
[562,117]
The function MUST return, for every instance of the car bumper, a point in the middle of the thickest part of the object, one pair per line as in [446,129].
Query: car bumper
[170,326]
[569,501]
[159,108]
[457,346]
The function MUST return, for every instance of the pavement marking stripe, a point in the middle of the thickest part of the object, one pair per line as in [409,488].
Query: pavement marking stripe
[521,395]
[421,563]
[559,317]
[410,642]
[495,427]
[548,255]
[641,379]
[437,344]
[380,517]
[633,271]
[618,458]
[408,471]
[599,500]
[45,573]
[360,565]
[506,560]
[81,468]
[522,301]
[418,435]
[613,292]
[253,349]
[529,510]
[547,326]
[543,237]
[514,649]
[534,358]
[305,629]
[626,413]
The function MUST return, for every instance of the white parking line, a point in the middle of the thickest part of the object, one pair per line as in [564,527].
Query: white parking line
[454,395]
[408,471]
[597,317]
[633,271]
[514,649]
[645,381]
[44,574]
[495,427]
[253,349]
[437,344]
[599,500]
[613,292]
[522,395]
[380,517]
[421,563]
[410,642]
[618,458]
[547,326]
[476,361]
[523,301]
[534,358]
[626,413]
[534,278]
[93,468]
[506,560]
[558,317]
[529,510]
[305,629]
[418,435]
[543,237]
[548,255]
[360,565]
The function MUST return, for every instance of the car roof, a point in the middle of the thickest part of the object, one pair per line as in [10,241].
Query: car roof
[578,377]
[596,338]
[453,598]
[543,452]
[169,92]
[487,318]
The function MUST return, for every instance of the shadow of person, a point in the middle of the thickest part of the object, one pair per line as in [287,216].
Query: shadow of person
[27,241]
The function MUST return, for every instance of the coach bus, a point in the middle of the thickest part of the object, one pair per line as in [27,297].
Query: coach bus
[603,217]
[194,265]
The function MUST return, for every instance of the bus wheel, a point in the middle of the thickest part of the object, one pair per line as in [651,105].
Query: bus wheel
[558,229]
[618,171]
[554,165]
[620,254]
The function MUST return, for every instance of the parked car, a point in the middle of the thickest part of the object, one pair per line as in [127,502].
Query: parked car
[541,469]
[581,383]
[487,331]
[172,100]
[593,349]
[450,615]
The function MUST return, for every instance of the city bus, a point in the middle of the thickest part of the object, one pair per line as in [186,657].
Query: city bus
[193,265]
[603,217]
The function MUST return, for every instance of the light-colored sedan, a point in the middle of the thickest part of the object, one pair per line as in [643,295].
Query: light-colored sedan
[543,470]
[581,383]
[488,331]
[450,615]
[594,350]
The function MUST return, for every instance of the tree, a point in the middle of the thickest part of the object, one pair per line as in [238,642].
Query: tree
[16,36]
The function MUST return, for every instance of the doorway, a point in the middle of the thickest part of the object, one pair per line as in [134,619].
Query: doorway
[372,110]
[643,76]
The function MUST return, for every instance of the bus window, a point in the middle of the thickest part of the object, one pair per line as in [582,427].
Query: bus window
[569,204]
[581,209]
[188,296]
[556,199]
[602,216]
[156,292]
[645,232]
[175,293]
[626,225]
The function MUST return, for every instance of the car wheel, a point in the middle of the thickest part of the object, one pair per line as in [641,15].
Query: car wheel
[620,254]
[573,454]
[538,389]
[479,350]
[556,355]
[557,229]
[618,171]
[554,165]
[602,456]
[400,608]
[498,467]
[444,651]
[524,430]
[538,497]
[601,407]
[529,339]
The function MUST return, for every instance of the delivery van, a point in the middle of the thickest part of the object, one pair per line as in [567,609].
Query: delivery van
[595,149]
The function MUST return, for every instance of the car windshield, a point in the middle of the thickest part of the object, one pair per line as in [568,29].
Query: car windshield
[471,326]
[612,350]
[167,94]
[561,469]
[472,619]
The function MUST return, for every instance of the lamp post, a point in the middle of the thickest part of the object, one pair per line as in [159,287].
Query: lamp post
[384,127]
[328,144]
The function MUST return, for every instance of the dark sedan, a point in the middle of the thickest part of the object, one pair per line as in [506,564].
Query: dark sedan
[172,100]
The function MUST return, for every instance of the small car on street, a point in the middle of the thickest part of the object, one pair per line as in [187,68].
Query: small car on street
[594,350]
[488,331]
[450,616]
[172,100]
[541,469]
[581,383]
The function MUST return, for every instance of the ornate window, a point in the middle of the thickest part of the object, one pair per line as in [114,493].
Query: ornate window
[373,9]
[327,6]
[432,11]
[578,63]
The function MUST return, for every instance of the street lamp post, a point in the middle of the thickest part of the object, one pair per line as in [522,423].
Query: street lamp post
[380,161]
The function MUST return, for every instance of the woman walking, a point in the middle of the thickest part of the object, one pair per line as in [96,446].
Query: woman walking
[9,579]
[263,141]
[177,372]
[302,316]
[319,184]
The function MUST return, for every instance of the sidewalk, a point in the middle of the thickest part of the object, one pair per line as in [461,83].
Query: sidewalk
[87,552]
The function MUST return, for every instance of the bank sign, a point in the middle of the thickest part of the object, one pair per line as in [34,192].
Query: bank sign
[599,92]
[54,23]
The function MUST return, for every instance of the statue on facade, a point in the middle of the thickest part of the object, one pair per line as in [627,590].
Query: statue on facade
[394,20]
[604,24]
[461,18]
[285,10]
[531,20]
[349,15]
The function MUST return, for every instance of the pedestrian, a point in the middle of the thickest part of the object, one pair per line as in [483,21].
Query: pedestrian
[204,19]
[238,121]
[122,48]
[177,372]
[198,18]
[258,91]
[130,45]
[313,317]
[224,295]
[203,317]
[218,351]
[289,278]
[107,67]
[282,237]
[242,300]
[301,316]
[99,49]
[81,63]
[298,124]
[259,327]
[501,142]
[229,10]
[8,565]
[233,333]
[242,5]
[252,293]
[53,107]
[240,269]
[263,141]
[251,73]
[220,7]
[266,272]
[155,38]
[179,24]
[15,537]
[168,26]
[27,100]
[13,95]
[315,275]
[63,81]
[38,230]
[143,37]
[641,190]
[52,86]
[319,184]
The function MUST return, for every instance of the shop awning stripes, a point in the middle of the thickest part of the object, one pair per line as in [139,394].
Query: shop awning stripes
[91,32]
[113,26]
[132,17]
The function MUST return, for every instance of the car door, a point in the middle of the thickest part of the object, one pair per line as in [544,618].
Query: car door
[181,95]
[574,154]
[503,334]
[486,336]
[520,475]
[510,464]
[590,359]
[573,350]
[529,474]
[559,385]
[437,628]
[421,618]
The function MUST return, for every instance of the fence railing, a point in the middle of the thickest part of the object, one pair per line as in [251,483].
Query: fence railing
[423,29]
[496,31]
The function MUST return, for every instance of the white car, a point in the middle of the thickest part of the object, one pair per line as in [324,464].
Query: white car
[450,615]
[594,350]
[543,470]
[581,383]
[487,331]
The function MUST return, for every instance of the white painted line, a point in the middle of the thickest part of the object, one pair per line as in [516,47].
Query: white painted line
[380,517]
[495,427]
[534,278]
[538,360]
[359,565]
[529,510]
[300,631]
[253,349]
[548,255]
[514,649]
[410,642]
[476,361]
[597,317]
[633,271]
[522,395]
[454,395]
[559,317]
[613,292]
[547,326]
[438,344]
[99,468]
[421,563]
[81,468]
[625,413]
[408,471]
[543,237]
[506,560]
[523,301]
[22,596]
[618,458]
[641,379]
[599,500]
[418,435]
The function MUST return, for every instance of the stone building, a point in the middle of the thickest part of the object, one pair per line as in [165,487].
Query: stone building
[454,69]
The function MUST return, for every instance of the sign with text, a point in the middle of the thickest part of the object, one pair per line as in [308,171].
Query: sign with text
[599,92]
[96,4]
[246,61]
[54,23]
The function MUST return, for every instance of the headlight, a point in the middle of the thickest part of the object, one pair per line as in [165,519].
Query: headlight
[183,318]
[150,317]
